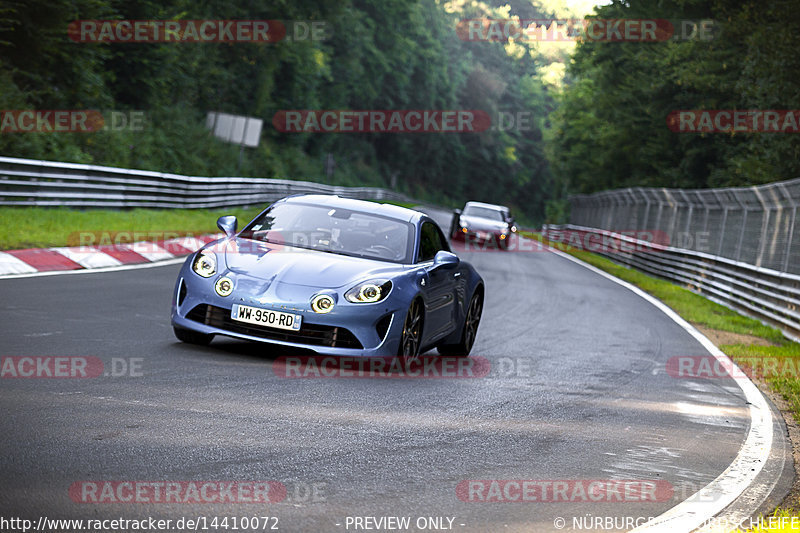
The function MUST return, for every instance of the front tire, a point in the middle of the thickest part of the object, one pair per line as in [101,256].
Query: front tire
[192,337]
[411,338]
[469,331]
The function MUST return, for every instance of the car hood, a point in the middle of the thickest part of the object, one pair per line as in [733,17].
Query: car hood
[299,266]
[485,224]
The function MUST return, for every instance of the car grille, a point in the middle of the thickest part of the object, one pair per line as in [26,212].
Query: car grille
[311,334]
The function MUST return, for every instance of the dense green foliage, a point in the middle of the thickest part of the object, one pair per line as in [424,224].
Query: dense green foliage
[380,54]
[610,128]
[606,129]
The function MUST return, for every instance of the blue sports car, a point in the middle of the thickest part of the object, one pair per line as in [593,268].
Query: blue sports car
[334,275]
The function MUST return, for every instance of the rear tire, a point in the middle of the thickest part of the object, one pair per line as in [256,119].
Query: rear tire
[469,331]
[192,337]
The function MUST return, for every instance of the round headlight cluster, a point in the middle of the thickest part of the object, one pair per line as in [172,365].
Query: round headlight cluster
[369,292]
[224,286]
[322,303]
[205,264]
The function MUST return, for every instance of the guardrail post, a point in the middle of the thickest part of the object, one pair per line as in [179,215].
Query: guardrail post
[646,218]
[687,230]
[789,240]
[724,220]
[674,218]
[764,226]
[657,225]
[743,225]
[790,237]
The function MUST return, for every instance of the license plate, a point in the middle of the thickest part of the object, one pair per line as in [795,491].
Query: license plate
[266,317]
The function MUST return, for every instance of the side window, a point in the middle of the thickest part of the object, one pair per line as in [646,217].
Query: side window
[431,241]
[443,245]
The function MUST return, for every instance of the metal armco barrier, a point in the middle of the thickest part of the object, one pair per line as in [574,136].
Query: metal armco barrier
[766,294]
[27,182]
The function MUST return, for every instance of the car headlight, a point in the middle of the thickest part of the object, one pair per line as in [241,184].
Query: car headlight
[369,292]
[205,264]
[224,286]
[322,303]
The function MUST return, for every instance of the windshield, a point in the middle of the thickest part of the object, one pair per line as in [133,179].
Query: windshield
[334,230]
[484,212]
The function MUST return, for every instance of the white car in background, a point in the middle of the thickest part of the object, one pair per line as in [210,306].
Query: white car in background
[481,223]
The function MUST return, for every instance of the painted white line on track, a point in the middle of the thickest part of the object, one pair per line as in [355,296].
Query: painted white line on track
[698,510]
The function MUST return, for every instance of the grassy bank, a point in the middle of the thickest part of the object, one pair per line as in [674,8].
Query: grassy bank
[39,227]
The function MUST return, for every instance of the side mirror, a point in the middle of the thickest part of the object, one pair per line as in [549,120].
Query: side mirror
[228,225]
[444,258]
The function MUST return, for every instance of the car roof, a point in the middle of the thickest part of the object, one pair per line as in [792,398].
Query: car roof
[387,210]
[488,206]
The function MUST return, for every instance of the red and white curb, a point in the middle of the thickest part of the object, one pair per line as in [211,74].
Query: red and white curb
[77,258]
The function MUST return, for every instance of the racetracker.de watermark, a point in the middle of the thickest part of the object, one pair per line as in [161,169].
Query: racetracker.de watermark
[175,242]
[734,121]
[590,29]
[563,490]
[60,367]
[197,31]
[626,241]
[70,121]
[425,367]
[381,121]
[710,367]
[188,492]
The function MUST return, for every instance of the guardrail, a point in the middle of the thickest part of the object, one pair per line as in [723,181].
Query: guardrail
[27,182]
[768,295]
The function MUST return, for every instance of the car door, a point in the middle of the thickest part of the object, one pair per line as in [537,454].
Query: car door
[440,284]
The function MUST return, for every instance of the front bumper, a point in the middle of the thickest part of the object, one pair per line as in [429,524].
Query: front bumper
[369,330]
[481,238]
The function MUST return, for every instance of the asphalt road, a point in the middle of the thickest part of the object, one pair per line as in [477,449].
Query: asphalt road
[577,391]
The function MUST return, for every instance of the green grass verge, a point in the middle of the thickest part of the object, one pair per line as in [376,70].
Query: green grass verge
[781,521]
[781,360]
[39,227]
